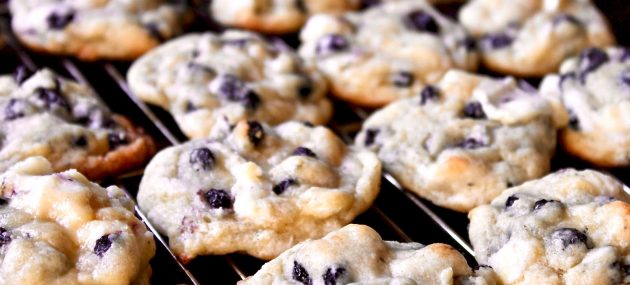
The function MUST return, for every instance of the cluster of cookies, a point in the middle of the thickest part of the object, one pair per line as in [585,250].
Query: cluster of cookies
[261,175]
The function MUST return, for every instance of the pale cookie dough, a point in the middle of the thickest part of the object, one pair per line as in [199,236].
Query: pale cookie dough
[463,141]
[387,52]
[592,94]
[532,38]
[356,254]
[96,29]
[275,16]
[571,227]
[60,228]
[258,190]
[208,80]
[43,114]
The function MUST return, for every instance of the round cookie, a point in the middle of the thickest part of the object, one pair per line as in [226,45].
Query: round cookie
[387,52]
[60,228]
[43,114]
[206,80]
[274,16]
[592,94]
[95,29]
[463,141]
[571,227]
[257,189]
[532,38]
[356,254]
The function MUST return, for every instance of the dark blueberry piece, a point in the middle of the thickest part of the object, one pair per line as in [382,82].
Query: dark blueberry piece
[470,143]
[509,184]
[566,18]
[474,110]
[308,124]
[625,78]
[369,3]
[590,60]
[303,151]
[510,201]
[236,42]
[3,201]
[22,73]
[104,243]
[80,141]
[190,107]
[574,122]
[255,132]
[301,6]
[402,79]
[542,202]
[52,98]
[117,138]
[429,92]
[300,274]
[497,41]
[306,88]
[154,31]
[201,158]
[468,43]
[231,87]
[331,43]
[250,100]
[569,236]
[218,199]
[422,21]
[14,109]
[59,20]
[283,185]
[370,136]
[565,76]
[332,274]
[5,237]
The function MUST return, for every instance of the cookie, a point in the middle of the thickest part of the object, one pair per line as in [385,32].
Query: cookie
[592,94]
[60,228]
[95,29]
[462,142]
[47,115]
[274,17]
[532,38]
[386,52]
[570,227]
[208,80]
[356,254]
[257,189]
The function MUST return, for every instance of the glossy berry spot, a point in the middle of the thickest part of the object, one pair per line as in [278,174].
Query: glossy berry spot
[231,87]
[80,141]
[104,243]
[201,158]
[510,201]
[421,21]
[429,93]
[154,31]
[51,98]
[474,110]
[331,43]
[370,136]
[117,138]
[59,20]
[471,143]
[300,274]
[250,100]
[255,132]
[218,199]
[5,237]
[332,274]
[303,151]
[590,60]
[569,236]
[21,74]
[402,79]
[497,41]
[283,186]
[14,109]
[542,202]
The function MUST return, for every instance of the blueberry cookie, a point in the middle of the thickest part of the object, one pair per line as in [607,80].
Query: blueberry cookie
[532,38]
[592,94]
[387,52]
[356,254]
[47,115]
[571,227]
[257,189]
[206,80]
[275,16]
[463,141]
[95,29]
[60,228]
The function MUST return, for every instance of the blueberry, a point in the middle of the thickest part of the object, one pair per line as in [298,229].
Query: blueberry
[201,158]
[566,18]
[564,77]
[422,21]
[590,60]
[303,151]
[470,143]
[300,274]
[231,87]
[402,79]
[468,43]
[239,43]
[218,199]
[625,78]
[250,100]
[58,20]
[104,243]
[370,136]
[283,186]
[255,132]
[510,201]
[306,88]
[497,41]
[5,237]
[116,138]
[21,74]
[52,98]
[474,110]
[190,107]
[331,43]
[154,31]
[569,236]
[369,3]
[14,109]
[80,141]
[332,274]
[574,122]
[542,202]
[429,92]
